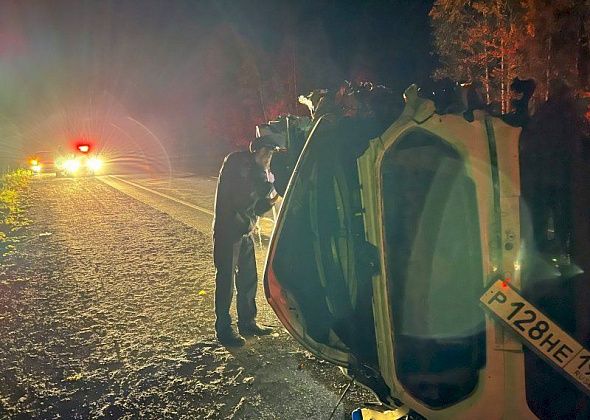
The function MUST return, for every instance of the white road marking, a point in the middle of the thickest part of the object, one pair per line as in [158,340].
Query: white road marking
[176,200]
[169,197]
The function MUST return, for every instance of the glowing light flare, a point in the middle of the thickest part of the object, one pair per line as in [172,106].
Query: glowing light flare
[34,162]
[36,168]
[84,148]
[94,164]
[71,165]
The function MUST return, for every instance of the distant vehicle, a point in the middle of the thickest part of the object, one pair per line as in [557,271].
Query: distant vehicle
[389,239]
[81,162]
[42,162]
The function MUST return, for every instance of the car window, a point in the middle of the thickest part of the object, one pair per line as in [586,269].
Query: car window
[320,251]
[434,268]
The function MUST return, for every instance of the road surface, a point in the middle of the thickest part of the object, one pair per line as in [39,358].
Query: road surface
[106,310]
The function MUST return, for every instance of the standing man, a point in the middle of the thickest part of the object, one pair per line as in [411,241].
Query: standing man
[245,191]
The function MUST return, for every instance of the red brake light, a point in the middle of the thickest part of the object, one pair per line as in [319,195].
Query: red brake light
[84,148]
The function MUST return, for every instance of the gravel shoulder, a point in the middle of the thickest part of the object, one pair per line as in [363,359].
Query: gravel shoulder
[106,310]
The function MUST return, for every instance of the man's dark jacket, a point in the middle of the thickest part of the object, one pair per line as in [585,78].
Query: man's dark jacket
[242,195]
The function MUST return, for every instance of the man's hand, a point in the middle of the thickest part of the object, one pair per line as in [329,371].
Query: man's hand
[273,196]
[274,199]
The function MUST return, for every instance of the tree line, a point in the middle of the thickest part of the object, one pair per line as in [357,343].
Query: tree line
[490,42]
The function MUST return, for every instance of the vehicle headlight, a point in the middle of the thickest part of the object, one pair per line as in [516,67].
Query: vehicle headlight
[71,165]
[94,164]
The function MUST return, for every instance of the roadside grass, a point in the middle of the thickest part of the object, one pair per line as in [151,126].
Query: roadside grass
[12,187]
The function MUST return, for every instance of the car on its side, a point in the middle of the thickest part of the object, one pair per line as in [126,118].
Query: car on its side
[388,237]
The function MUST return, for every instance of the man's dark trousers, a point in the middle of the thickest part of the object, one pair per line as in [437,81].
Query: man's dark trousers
[234,259]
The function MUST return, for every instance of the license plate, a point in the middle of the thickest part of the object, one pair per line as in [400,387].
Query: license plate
[539,333]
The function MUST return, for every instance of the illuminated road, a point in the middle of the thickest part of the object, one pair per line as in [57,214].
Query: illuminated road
[188,199]
[107,311]
[182,210]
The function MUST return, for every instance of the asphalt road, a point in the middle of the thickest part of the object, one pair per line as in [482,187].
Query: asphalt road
[106,311]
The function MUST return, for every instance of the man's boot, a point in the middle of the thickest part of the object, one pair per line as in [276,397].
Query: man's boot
[230,338]
[252,328]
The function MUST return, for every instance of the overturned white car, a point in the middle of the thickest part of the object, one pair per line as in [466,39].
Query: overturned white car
[393,246]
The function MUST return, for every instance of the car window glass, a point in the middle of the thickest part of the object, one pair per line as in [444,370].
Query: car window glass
[318,252]
[434,268]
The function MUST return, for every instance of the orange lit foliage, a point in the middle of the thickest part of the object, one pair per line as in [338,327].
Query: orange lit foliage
[491,42]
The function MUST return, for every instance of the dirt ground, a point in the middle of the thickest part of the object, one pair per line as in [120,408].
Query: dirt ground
[106,311]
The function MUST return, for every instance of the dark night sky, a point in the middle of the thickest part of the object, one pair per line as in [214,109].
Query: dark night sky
[387,41]
[186,74]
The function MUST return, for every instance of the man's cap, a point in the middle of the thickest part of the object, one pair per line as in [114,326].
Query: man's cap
[270,142]
[267,137]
